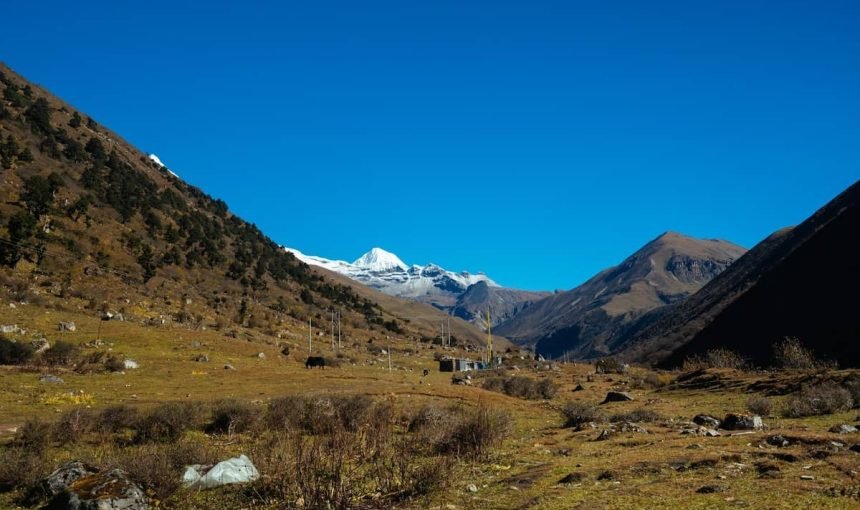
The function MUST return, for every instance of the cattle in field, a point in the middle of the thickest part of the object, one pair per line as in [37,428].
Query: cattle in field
[315,361]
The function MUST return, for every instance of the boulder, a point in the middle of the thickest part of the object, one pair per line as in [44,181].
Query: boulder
[229,367]
[130,364]
[778,441]
[843,429]
[631,427]
[201,358]
[41,345]
[261,355]
[572,478]
[107,490]
[579,387]
[617,396]
[64,476]
[706,421]
[741,422]
[605,434]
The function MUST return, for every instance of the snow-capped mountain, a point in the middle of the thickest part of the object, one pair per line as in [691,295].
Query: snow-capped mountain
[463,294]
[385,272]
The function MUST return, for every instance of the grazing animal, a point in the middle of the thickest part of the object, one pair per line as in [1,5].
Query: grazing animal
[315,361]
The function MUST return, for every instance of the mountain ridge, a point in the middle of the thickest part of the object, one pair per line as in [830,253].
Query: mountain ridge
[582,322]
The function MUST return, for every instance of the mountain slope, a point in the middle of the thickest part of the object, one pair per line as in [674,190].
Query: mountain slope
[502,303]
[798,282]
[90,223]
[585,321]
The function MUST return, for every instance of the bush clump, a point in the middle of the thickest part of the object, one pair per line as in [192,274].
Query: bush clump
[638,416]
[521,387]
[818,399]
[759,405]
[14,353]
[61,353]
[476,432]
[578,413]
[232,416]
[116,418]
[791,354]
[166,423]
[716,358]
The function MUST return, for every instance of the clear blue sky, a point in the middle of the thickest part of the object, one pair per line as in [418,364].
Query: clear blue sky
[538,142]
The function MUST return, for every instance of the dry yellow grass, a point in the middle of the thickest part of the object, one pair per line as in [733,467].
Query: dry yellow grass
[631,470]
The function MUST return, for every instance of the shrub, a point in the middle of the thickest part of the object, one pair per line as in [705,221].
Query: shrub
[232,416]
[114,363]
[21,468]
[14,353]
[116,418]
[818,399]
[790,353]
[476,432]
[34,436]
[61,353]
[759,405]
[577,413]
[73,425]
[166,423]
[852,384]
[521,387]
[639,415]
[285,413]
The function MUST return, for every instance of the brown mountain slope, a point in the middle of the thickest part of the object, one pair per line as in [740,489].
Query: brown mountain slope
[88,222]
[502,303]
[800,282]
[585,321]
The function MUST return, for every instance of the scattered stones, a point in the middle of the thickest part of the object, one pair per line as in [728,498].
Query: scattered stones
[741,422]
[843,429]
[286,350]
[571,478]
[709,489]
[130,364]
[631,427]
[201,358]
[700,431]
[472,488]
[706,421]
[807,477]
[261,355]
[53,379]
[778,441]
[229,367]
[617,396]
[579,387]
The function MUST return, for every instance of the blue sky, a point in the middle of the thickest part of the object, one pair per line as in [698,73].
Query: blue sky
[539,142]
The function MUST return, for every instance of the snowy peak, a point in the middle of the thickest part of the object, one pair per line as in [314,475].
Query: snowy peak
[384,271]
[379,261]
[155,159]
